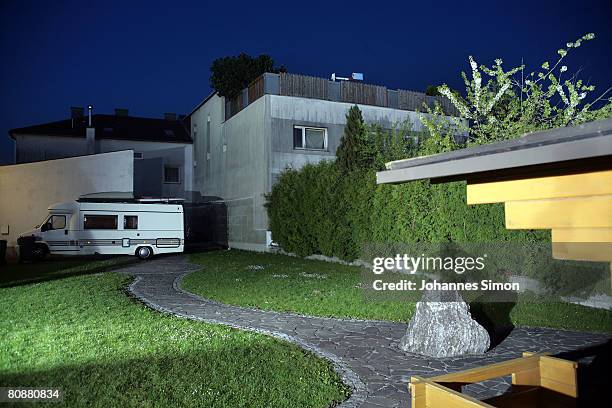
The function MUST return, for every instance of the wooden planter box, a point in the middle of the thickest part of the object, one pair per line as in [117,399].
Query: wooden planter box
[537,381]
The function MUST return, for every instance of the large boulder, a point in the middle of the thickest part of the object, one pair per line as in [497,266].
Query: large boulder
[443,327]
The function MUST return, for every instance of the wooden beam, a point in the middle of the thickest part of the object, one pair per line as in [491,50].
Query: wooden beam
[490,371]
[582,212]
[559,375]
[583,251]
[571,390]
[530,376]
[582,235]
[417,392]
[438,396]
[574,185]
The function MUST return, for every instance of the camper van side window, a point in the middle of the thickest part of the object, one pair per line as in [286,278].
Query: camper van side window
[54,222]
[58,222]
[100,222]
[130,222]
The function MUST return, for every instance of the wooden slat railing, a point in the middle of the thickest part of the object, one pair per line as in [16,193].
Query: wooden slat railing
[303,86]
[256,89]
[365,94]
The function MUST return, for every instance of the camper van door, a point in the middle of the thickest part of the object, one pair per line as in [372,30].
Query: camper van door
[55,233]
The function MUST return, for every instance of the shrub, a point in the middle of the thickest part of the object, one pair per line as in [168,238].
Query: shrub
[354,150]
[321,210]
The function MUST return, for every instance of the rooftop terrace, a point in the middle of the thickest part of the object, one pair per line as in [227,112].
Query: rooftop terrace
[342,91]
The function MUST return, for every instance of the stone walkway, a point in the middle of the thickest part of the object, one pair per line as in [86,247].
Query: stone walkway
[364,353]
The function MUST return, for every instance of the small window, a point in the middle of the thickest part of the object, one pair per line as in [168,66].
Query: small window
[169,132]
[100,222]
[171,174]
[130,222]
[309,138]
[137,155]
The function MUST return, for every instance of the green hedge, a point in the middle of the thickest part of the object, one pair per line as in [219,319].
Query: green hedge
[321,210]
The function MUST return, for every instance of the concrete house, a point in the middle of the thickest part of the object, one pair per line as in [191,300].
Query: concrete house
[281,120]
[162,147]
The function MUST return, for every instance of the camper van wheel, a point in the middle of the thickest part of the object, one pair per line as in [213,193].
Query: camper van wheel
[39,252]
[144,252]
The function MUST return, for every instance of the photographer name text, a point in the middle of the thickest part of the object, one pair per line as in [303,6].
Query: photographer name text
[407,285]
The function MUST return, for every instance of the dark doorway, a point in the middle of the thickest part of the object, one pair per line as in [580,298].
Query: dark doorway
[205,225]
[148,177]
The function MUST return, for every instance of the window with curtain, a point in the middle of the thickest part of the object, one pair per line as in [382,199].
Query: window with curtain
[305,137]
[100,221]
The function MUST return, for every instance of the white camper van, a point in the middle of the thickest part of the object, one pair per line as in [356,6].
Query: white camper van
[107,223]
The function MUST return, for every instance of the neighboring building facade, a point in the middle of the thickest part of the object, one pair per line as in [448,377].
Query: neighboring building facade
[281,121]
[162,148]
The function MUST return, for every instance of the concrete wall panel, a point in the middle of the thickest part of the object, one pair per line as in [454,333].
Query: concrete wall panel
[231,161]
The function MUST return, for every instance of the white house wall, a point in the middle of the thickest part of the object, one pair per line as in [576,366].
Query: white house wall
[206,163]
[288,111]
[112,145]
[235,168]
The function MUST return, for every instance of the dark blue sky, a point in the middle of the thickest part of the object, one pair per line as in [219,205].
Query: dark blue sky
[154,57]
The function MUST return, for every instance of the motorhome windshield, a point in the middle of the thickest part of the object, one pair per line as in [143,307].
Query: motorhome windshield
[46,219]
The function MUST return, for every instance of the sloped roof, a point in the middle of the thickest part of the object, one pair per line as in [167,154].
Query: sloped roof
[114,127]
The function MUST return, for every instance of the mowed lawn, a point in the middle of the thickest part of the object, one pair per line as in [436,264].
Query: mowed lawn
[285,283]
[56,267]
[85,335]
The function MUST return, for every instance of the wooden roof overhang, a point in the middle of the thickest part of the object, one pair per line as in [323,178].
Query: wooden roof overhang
[559,179]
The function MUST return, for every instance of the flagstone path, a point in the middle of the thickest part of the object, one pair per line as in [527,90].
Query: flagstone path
[364,353]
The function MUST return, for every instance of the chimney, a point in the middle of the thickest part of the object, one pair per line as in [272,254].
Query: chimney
[90,140]
[121,112]
[76,112]
[90,134]
[170,116]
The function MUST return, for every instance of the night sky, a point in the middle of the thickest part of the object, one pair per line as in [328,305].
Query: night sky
[154,57]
